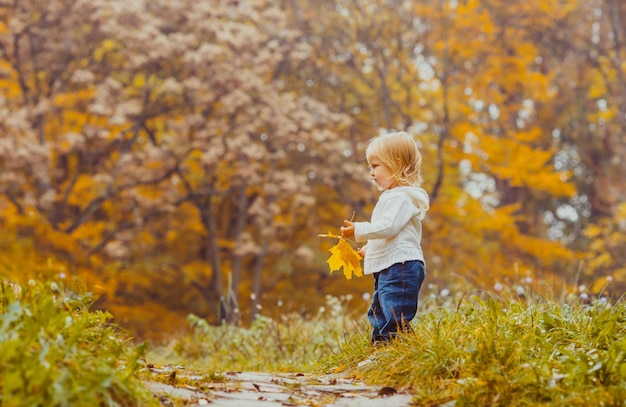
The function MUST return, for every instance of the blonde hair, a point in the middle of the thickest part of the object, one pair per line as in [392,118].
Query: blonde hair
[398,151]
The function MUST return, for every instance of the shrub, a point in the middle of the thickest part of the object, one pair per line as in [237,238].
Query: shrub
[55,352]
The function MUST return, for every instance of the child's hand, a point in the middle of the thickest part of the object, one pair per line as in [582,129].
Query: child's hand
[348,229]
[361,251]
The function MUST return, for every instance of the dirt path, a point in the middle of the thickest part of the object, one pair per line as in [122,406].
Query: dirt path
[252,389]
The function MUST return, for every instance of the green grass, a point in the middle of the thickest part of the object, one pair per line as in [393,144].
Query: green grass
[55,352]
[481,350]
[291,344]
[468,351]
[503,352]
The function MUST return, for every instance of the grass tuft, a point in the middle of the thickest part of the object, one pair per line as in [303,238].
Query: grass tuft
[55,352]
[291,344]
[498,352]
[482,350]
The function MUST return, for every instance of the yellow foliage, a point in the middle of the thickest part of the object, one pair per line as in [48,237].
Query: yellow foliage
[483,56]
[606,247]
[91,231]
[139,81]
[85,190]
[108,45]
[196,270]
[524,165]
[150,192]
[541,249]
[600,284]
[343,256]
[71,99]
[530,135]
[599,261]
[557,8]
[20,261]
[56,239]
[592,231]
[620,275]
[597,88]
[8,81]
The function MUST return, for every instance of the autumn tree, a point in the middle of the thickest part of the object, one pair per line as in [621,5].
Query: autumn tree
[586,51]
[183,156]
[157,140]
[465,78]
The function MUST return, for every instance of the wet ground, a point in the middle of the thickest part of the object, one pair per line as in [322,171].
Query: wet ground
[250,389]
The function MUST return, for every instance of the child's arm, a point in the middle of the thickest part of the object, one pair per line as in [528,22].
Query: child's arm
[391,217]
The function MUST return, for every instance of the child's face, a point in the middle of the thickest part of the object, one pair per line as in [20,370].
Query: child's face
[380,173]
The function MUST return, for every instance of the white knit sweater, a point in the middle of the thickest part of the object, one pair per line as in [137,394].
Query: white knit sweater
[394,234]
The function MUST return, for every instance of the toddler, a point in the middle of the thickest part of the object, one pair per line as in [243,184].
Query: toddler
[393,253]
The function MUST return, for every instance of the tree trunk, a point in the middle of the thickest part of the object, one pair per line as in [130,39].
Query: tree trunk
[242,207]
[257,274]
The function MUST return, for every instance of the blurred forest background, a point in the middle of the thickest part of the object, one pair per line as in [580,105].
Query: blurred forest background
[181,156]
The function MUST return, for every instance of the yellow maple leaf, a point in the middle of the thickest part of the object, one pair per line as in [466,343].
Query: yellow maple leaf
[343,256]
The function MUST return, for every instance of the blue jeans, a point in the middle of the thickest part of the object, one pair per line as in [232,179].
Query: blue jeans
[394,303]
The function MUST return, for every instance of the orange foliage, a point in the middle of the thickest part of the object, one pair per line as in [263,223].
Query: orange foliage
[172,166]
